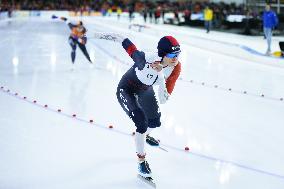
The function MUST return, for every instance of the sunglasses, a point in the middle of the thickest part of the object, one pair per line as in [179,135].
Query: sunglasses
[172,55]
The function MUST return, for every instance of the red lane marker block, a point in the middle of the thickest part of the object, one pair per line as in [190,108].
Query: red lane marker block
[186,148]
[110,126]
[59,110]
[91,121]
[74,115]
[34,101]
[46,106]
[24,97]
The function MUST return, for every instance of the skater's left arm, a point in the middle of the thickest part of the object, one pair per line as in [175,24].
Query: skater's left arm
[162,90]
[166,86]
[171,80]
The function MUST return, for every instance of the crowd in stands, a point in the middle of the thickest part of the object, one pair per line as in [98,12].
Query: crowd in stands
[97,5]
[151,11]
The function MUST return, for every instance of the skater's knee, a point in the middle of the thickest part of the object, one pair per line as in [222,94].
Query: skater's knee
[141,130]
[139,118]
[156,122]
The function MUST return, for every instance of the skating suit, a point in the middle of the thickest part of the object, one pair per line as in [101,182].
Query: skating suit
[74,41]
[135,90]
[75,34]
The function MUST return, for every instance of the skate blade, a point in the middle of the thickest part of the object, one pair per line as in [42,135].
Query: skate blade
[147,180]
[161,148]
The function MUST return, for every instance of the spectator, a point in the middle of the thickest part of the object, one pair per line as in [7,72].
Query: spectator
[208,16]
[151,15]
[187,14]
[270,20]
[131,11]
[109,11]
[145,12]
[118,11]
[176,16]
[157,15]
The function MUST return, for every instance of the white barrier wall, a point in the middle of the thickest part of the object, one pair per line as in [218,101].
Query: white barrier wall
[44,14]
[48,14]
[229,1]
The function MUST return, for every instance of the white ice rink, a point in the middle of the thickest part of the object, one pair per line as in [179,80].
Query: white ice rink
[226,108]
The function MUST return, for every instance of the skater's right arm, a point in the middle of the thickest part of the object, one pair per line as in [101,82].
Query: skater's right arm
[71,25]
[61,18]
[137,56]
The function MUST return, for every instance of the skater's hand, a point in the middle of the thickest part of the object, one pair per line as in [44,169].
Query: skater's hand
[82,41]
[163,95]
[54,17]
[63,18]
[157,66]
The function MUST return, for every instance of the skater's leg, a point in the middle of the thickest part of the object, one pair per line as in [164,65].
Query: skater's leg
[129,104]
[150,105]
[140,145]
[149,129]
[85,52]
[73,45]
[148,102]
[152,124]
